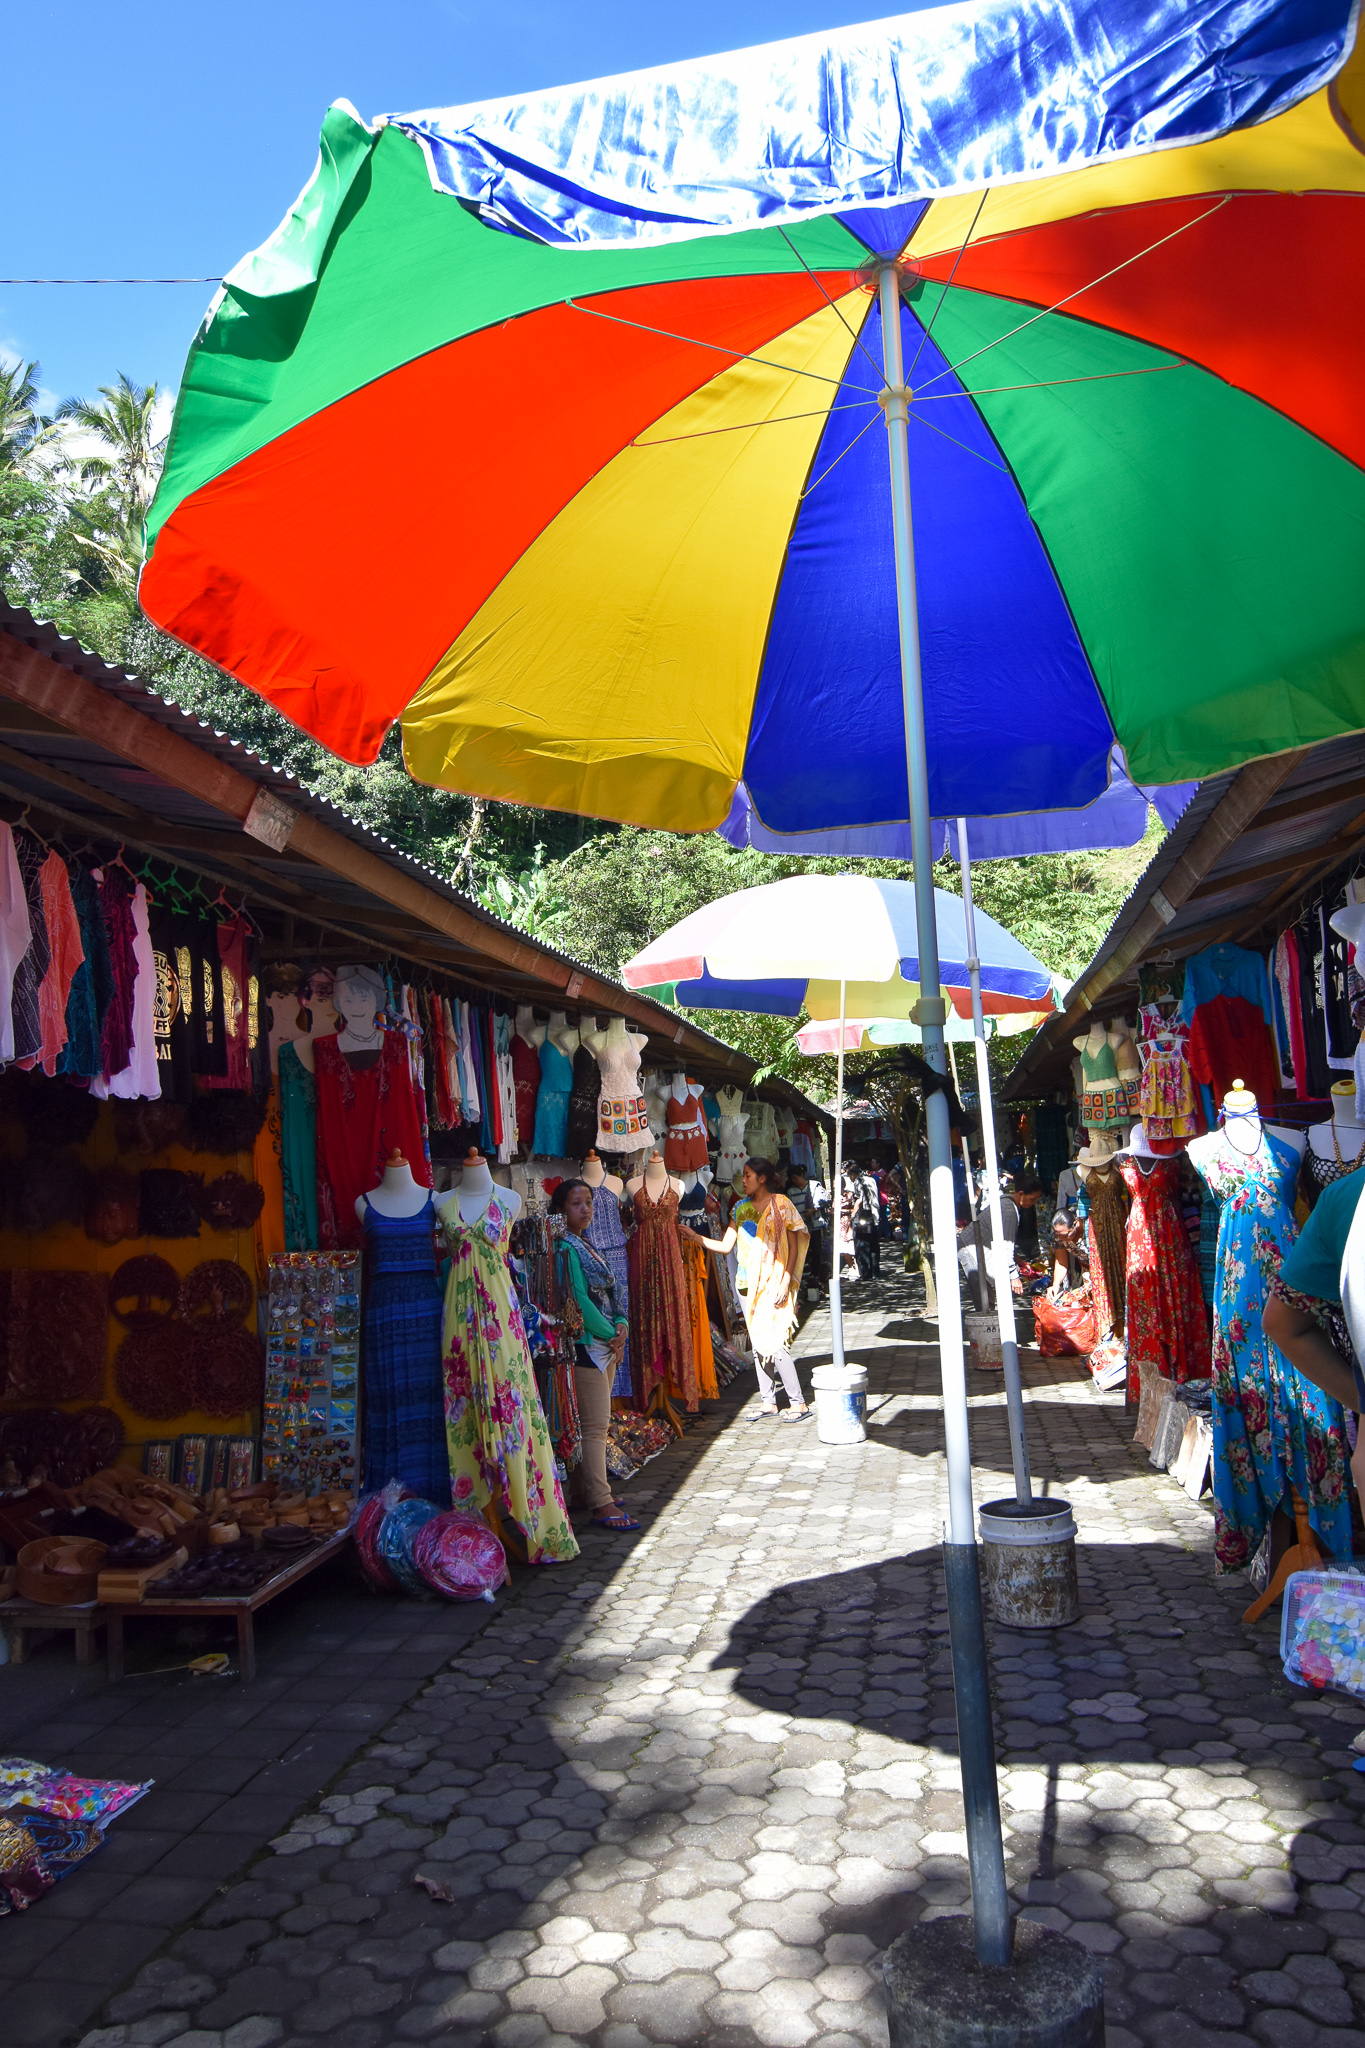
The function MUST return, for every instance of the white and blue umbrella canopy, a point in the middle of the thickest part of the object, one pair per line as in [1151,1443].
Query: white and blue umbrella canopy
[789,945]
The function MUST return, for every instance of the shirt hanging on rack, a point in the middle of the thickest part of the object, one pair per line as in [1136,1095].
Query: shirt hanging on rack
[16,936]
[28,975]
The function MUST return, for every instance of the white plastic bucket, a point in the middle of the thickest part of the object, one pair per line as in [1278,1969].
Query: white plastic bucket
[840,1403]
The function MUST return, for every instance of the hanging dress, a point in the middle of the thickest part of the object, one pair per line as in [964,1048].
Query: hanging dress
[732,1123]
[141,1077]
[1106,1227]
[606,1235]
[497,1441]
[692,1211]
[1164,1316]
[92,986]
[685,1146]
[526,1077]
[65,955]
[400,1358]
[1271,1428]
[1166,1099]
[587,1082]
[552,1103]
[299,1152]
[660,1319]
[363,1114]
[1104,1098]
[28,975]
[16,937]
[622,1118]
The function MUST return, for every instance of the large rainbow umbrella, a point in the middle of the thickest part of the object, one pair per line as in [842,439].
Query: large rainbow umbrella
[599,507]
[545,427]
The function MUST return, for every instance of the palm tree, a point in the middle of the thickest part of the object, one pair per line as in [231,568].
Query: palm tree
[123,423]
[23,429]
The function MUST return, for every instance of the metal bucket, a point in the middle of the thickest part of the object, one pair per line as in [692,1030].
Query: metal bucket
[1028,1563]
[840,1403]
[983,1334]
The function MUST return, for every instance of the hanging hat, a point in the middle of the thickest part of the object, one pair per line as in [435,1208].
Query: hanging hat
[1139,1144]
[1101,1150]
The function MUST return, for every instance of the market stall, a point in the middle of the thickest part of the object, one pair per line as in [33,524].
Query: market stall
[1202,1087]
[273,1093]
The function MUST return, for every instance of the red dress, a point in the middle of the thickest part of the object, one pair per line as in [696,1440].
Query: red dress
[1230,1042]
[1165,1303]
[526,1078]
[362,1116]
[660,1315]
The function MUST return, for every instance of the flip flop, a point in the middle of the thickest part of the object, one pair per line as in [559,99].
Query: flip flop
[617,1519]
[763,1415]
[796,1414]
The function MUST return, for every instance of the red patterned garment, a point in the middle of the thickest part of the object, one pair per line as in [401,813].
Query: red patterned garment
[660,1318]
[1165,1310]
[526,1075]
[363,1114]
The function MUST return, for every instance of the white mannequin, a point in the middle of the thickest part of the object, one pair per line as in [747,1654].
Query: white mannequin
[596,1175]
[1092,1040]
[655,1177]
[1242,1131]
[398,1193]
[1126,1057]
[679,1087]
[615,1037]
[358,1004]
[690,1179]
[1343,1135]
[526,1027]
[474,1191]
[564,1034]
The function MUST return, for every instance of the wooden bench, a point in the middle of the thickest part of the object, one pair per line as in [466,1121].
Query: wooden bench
[22,1618]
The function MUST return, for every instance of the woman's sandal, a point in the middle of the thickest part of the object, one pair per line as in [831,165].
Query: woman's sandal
[618,1519]
[797,1414]
[763,1415]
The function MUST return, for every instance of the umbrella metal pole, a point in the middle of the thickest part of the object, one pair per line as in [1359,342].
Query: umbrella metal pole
[1000,1261]
[967,1630]
[836,1298]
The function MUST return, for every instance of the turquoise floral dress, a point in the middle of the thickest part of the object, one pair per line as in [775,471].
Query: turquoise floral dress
[1271,1427]
[496,1434]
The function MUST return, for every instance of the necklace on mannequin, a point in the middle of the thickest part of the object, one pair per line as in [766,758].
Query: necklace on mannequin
[1351,1165]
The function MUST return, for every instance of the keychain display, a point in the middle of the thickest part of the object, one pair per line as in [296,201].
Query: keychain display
[310,1422]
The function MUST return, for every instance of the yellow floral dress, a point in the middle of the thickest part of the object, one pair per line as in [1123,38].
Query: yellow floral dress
[776,1258]
[496,1433]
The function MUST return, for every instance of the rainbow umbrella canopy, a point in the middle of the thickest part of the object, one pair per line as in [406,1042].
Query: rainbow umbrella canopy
[550,429]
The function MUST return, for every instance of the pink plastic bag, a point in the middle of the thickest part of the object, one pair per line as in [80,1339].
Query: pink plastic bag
[459,1556]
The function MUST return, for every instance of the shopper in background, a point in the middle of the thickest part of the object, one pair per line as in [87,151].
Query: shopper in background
[587,1280]
[774,1261]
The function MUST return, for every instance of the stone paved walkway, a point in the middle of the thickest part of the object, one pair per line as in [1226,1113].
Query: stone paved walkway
[687,1789]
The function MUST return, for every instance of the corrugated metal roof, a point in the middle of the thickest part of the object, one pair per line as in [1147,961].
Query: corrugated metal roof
[196,834]
[1313,823]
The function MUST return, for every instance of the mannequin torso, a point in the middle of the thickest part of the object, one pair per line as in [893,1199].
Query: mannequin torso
[397,1194]
[1342,1137]
[564,1034]
[654,1180]
[596,1175]
[472,1193]
[526,1027]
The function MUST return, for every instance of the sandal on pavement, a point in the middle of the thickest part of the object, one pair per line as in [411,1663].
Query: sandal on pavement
[797,1414]
[763,1415]
[616,1519]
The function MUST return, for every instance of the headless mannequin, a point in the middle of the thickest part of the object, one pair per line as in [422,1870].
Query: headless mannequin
[1243,1131]
[1092,1041]
[563,1033]
[526,1027]
[1342,1137]
[397,1194]
[596,1175]
[702,1176]
[1126,1057]
[655,1178]
[615,1038]
[473,1192]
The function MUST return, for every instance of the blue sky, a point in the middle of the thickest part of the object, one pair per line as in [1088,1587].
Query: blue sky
[163,138]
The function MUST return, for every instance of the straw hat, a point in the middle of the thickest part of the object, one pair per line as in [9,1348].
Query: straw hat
[1101,1150]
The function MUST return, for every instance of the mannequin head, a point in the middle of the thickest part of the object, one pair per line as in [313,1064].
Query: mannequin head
[1344,1103]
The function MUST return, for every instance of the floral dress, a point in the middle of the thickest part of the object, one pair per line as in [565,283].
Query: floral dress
[1165,1308]
[1272,1429]
[496,1432]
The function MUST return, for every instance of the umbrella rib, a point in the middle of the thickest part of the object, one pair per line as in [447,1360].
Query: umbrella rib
[740,355]
[909,375]
[1045,383]
[747,426]
[961,444]
[1081,290]
[838,458]
[853,331]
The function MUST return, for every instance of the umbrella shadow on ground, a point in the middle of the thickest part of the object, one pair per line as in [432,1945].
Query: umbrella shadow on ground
[1190,1935]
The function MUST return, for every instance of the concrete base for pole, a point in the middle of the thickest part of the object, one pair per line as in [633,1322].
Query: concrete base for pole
[939,1996]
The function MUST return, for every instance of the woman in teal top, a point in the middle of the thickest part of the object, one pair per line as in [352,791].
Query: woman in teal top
[1303,1314]
[585,1274]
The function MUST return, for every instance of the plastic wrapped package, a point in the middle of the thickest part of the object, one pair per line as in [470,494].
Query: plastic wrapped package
[368,1521]
[398,1532]
[1322,1631]
[459,1556]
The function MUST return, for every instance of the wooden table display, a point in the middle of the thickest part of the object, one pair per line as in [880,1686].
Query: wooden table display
[240,1606]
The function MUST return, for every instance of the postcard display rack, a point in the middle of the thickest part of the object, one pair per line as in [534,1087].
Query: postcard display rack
[310,1436]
